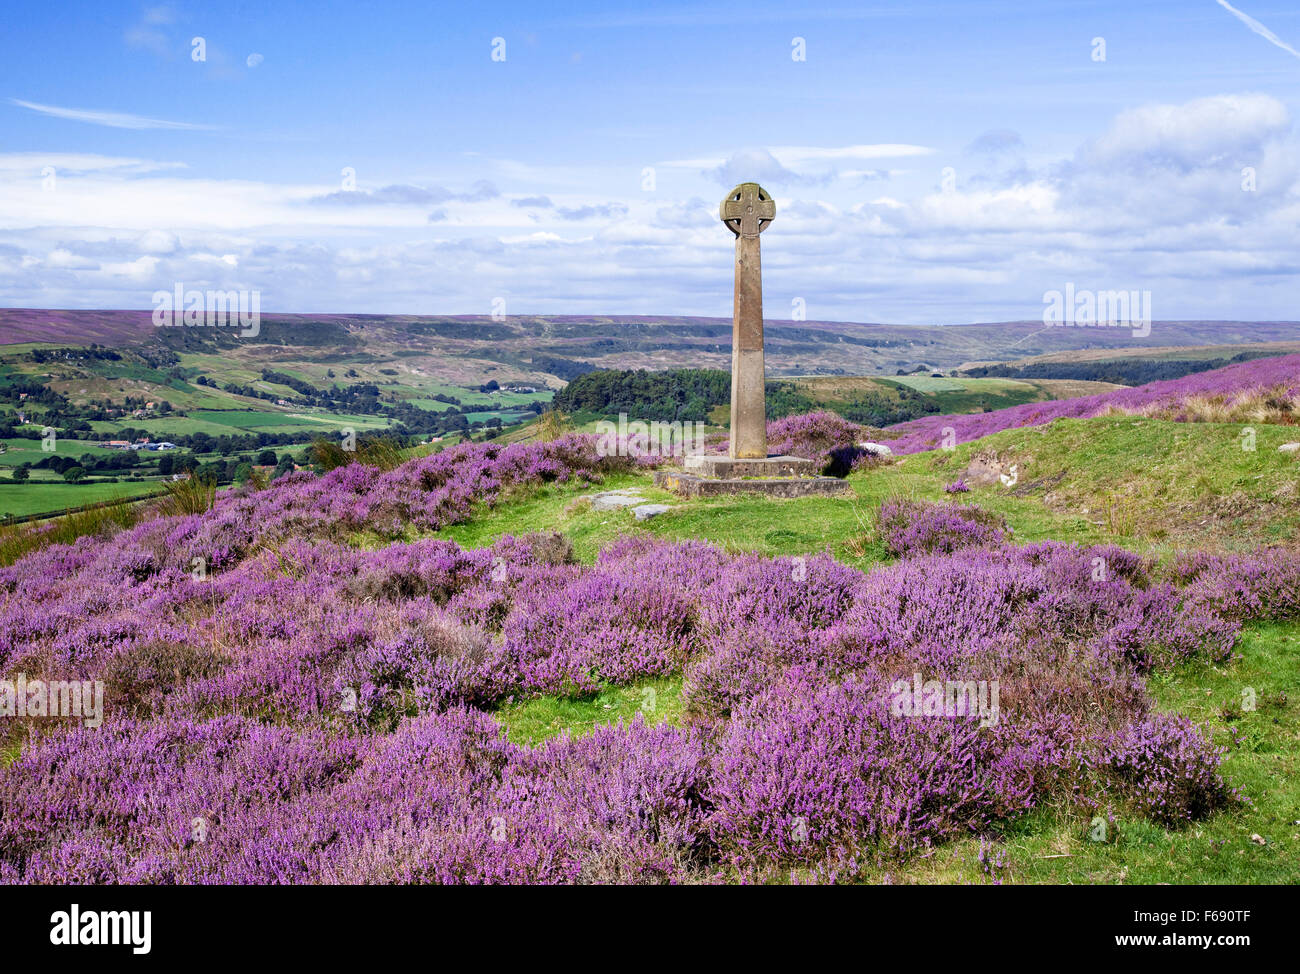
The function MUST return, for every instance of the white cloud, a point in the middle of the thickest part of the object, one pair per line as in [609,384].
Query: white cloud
[19,164]
[798,155]
[795,164]
[1191,133]
[1153,201]
[117,120]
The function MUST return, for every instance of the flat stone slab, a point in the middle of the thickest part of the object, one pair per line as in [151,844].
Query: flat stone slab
[612,500]
[647,511]
[689,485]
[725,468]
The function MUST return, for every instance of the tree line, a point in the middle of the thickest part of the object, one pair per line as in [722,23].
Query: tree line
[687,395]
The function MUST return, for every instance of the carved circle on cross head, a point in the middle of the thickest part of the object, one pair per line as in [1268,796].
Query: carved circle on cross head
[747,210]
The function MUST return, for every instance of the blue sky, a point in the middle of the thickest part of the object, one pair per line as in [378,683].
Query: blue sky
[932,162]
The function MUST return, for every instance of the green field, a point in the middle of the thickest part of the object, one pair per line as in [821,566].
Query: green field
[254,420]
[19,451]
[929,383]
[961,395]
[17,500]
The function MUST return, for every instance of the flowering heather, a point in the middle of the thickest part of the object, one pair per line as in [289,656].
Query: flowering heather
[1166,768]
[812,432]
[1179,399]
[306,711]
[919,527]
[825,437]
[957,487]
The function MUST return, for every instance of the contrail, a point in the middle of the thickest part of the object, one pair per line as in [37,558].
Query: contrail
[1259,28]
[117,120]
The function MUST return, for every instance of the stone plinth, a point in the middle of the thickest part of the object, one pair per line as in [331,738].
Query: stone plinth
[692,485]
[766,467]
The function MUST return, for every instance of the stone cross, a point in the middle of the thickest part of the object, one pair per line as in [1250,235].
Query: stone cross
[747,211]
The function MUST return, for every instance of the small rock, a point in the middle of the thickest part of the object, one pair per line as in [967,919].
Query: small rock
[877,449]
[1289,447]
[613,499]
[983,472]
[647,511]
[1258,839]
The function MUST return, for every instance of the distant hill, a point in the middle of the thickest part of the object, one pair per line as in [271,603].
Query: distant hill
[559,347]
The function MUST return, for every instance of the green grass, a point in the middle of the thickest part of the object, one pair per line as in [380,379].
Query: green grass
[283,422]
[1263,763]
[1176,469]
[432,405]
[559,507]
[927,383]
[17,500]
[530,722]
[1149,485]
[962,395]
[19,451]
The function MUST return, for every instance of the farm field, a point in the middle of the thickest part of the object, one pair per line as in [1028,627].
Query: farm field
[282,422]
[19,450]
[39,497]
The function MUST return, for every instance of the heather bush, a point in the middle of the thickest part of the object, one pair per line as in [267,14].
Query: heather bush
[829,439]
[803,776]
[1265,585]
[911,527]
[1165,769]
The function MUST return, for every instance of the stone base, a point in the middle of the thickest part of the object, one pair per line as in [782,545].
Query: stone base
[703,465]
[690,485]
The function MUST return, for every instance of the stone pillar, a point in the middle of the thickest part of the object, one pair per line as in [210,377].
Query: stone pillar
[747,211]
[748,402]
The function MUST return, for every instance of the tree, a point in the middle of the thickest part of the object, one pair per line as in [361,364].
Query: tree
[74,475]
[266,458]
[20,474]
[210,473]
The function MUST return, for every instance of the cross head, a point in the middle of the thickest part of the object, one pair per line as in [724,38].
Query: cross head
[747,210]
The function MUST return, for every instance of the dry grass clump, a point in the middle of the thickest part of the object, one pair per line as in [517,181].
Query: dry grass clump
[191,495]
[380,452]
[552,425]
[97,519]
[1278,405]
